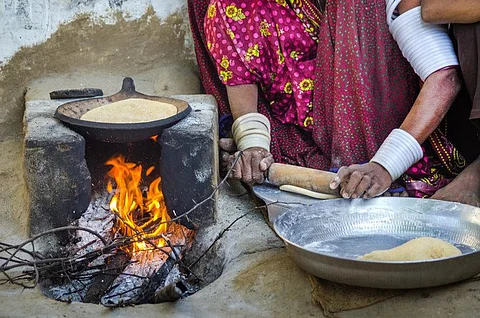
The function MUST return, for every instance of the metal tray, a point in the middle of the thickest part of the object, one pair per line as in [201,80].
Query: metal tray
[70,113]
[325,239]
[279,201]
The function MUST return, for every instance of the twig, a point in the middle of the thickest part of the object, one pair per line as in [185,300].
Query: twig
[219,236]
[210,197]
[59,229]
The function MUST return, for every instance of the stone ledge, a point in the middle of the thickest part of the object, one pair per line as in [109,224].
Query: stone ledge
[56,174]
[189,165]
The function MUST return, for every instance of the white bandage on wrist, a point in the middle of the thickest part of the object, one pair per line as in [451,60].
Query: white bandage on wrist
[426,46]
[251,130]
[398,152]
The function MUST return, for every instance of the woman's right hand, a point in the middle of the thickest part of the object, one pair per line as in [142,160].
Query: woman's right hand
[250,167]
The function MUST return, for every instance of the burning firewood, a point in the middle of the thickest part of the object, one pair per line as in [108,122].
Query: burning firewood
[114,267]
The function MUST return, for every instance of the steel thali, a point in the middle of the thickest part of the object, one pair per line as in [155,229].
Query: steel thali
[325,238]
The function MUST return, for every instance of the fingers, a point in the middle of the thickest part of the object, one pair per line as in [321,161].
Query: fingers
[266,162]
[257,175]
[351,186]
[251,165]
[237,168]
[247,169]
[224,160]
[342,175]
[362,186]
[374,190]
[227,144]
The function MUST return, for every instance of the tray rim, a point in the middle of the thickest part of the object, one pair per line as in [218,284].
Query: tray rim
[357,261]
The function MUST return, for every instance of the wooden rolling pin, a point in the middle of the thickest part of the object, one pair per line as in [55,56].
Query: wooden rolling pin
[311,179]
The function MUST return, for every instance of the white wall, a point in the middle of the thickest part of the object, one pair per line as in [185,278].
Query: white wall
[29,22]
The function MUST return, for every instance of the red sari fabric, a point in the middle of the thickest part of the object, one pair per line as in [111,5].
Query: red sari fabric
[362,86]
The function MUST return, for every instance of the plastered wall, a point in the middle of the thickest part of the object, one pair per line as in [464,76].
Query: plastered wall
[95,40]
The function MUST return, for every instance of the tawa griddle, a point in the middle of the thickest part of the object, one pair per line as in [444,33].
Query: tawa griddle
[70,113]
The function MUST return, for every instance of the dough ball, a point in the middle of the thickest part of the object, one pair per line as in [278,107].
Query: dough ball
[132,110]
[421,248]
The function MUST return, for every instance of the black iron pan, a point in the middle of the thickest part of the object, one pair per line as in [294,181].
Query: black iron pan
[71,112]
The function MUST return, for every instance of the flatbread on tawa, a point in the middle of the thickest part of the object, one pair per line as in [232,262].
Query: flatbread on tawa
[133,110]
[419,249]
[306,192]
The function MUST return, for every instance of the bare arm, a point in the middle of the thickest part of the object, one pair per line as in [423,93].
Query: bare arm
[436,95]
[431,105]
[254,161]
[242,99]
[448,11]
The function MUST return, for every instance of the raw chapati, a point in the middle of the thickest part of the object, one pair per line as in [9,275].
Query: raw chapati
[133,110]
[421,248]
[306,192]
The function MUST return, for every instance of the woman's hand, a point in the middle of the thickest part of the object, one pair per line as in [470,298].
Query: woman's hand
[362,181]
[250,167]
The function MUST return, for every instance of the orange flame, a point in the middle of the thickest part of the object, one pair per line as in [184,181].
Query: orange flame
[140,218]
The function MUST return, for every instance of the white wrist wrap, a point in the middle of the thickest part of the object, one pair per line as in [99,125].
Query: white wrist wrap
[251,130]
[426,46]
[398,152]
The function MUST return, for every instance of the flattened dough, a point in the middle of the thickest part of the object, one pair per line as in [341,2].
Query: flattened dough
[308,193]
[421,248]
[132,110]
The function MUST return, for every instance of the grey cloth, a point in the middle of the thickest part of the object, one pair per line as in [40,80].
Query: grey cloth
[467,37]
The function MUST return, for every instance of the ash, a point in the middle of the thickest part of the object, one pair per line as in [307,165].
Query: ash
[131,284]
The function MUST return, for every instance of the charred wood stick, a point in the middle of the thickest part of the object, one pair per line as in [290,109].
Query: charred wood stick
[115,266]
[155,281]
[170,293]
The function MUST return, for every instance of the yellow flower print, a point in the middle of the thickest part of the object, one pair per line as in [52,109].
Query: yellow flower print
[225,63]
[225,75]
[234,13]
[294,55]
[282,2]
[281,58]
[308,121]
[209,45]
[310,106]
[211,11]
[264,28]
[251,52]
[231,11]
[231,34]
[288,88]
[306,84]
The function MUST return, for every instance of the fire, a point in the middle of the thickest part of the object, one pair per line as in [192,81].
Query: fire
[142,218]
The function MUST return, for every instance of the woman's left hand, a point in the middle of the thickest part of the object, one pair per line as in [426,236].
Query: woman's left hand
[362,181]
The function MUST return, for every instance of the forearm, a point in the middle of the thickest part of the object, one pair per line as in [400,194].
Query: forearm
[447,11]
[243,99]
[432,104]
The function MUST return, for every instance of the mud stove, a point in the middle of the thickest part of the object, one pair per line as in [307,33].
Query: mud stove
[121,206]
